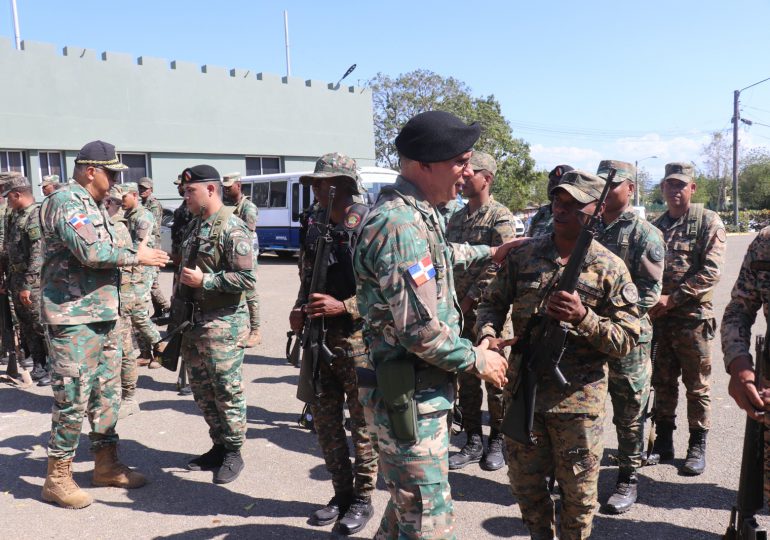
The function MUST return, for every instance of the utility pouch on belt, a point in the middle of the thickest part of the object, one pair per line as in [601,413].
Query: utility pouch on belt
[396,382]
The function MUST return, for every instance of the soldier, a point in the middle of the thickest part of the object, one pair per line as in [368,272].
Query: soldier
[405,286]
[79,308]
[49,184]
[353,484]
[131,278]
[481,221]
[542,221]
[140,224]
[603,321]
[684,315]
[642,249]
[152,204]
[23,246]
[212,349]
[248,212]
[182,219]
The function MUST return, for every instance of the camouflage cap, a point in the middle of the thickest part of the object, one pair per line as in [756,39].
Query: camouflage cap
[335,165]
[145,181]
[129,187]
[680,171]
[50,180]
[15,181]
[625,170]
[481,161]
[583,186]
[231,178]
[116,192]
[178,181]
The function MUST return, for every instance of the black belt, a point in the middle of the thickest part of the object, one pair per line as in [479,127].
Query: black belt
[429,377]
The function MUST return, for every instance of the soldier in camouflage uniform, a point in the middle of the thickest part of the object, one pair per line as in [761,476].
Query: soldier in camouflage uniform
[182,219]
[404,272]
[145,186]
[212,349]
[602,318]
[80,308]
[684,316]
[641,247]
[131,279]
[248,212]
[49,184]
[542,221]
[141,224]
[23,246]
[486,222]
[353,484]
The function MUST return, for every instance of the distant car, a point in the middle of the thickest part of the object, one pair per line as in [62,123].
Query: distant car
[519,226]
[165,230]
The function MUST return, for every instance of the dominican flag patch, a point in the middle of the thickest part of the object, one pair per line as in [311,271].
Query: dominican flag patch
[79,220]
[423,271]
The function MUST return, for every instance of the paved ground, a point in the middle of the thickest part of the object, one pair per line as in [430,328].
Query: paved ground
[285,479]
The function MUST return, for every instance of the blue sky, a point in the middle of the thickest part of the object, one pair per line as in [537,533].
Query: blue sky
[579,81]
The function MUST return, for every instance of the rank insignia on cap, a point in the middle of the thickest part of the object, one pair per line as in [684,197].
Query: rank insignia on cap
[352,220]
[79,220]
[423,271]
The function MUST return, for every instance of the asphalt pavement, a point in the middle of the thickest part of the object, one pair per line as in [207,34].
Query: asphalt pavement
[285,478]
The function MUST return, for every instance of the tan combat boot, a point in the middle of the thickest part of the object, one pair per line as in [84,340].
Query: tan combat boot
[60,488]
[255,338]
[108,471]
[157,353]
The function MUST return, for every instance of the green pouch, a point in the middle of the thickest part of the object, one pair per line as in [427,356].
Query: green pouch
[396,382]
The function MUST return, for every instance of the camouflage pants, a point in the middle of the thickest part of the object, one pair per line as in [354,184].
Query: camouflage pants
[417,476]
[158,300]
[252,299]
[145,330]
[570,446]
[471,396]
[339,385]
[85,374]
[213,355]
[128,373]
[684,349]
[629,388]
[29,322]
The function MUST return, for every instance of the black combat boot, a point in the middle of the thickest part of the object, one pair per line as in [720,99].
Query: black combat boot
[494,458]
[208,461]
[470,453]
[336,507]
[695,462]
[358,515]
[231,467]
[663,449]
[625,493]
[40,374]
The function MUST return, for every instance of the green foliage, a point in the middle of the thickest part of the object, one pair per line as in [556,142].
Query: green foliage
[754,180]
[398,99]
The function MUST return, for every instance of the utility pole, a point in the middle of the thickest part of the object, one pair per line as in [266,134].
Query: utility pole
[15,16]
[286,38]
[736,120]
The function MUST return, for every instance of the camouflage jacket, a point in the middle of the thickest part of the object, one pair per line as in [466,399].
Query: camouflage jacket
[79,279]
[182,219]
[446,211]
[156,209]
[140,224]
[248,212]
[3,251]
[490,225]
[693,265]
[750,293]
[610,328]
[24,244]
[640,245]
[405,287]
[128,277]
[541,222]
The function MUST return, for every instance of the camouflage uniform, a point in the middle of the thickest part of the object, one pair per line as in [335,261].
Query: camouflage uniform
[420,324]
[490,225]
[248,212]
[446,211]
[308,221]
[693,268]
[541,222]
[212,350]
[568,427]
[182,219]
[80,309]
[156,210]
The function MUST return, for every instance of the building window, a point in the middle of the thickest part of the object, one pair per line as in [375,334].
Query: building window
[12,160]
[52,163]
[262,165]
[137,167]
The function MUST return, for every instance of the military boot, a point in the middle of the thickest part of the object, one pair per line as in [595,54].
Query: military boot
[231,467]
[60,488]
[625,493]
[336,507]
[470,453]
[157,354]
[357,516]
[494,458]
[663,449]
[255,338]
[108,471]
[695,462]
[208,461]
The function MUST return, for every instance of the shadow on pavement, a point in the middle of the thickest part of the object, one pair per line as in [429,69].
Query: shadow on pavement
[16,399]
[505,527]
[466,486]
[605,527]
[253,531]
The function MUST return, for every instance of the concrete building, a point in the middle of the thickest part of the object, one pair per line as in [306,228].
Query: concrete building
[165,115]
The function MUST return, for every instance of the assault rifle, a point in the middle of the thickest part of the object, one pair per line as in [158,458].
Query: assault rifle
[544,339]
[313,338]
[743,523]
[648,458]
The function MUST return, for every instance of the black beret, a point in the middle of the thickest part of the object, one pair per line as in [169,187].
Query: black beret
[200,173]
[435,136]
[559,171]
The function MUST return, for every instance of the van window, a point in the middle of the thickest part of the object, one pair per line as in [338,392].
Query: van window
[306,197]
[260,194]
[278,194]
[295,202]
[246,190]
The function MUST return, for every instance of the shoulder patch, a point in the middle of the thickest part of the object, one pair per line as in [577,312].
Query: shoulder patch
[83,227]
[142,224]
[721,235]
[352,220]
[629,293]
[422,271]
[242,248]
[34,233]
[656,253]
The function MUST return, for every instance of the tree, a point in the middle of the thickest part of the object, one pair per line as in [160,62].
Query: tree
[754,179]
[396,100]
[717,160]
